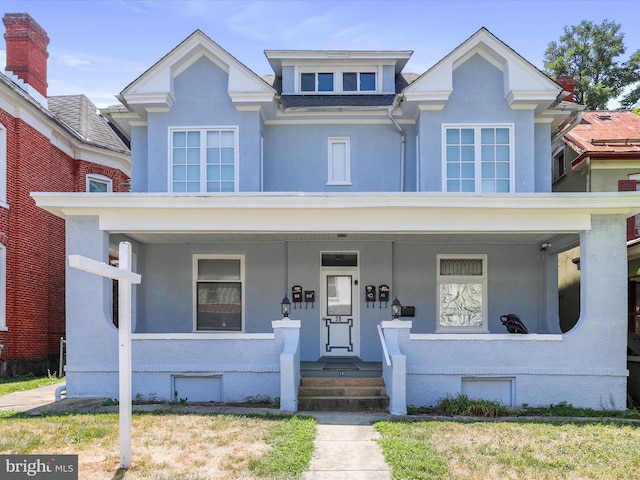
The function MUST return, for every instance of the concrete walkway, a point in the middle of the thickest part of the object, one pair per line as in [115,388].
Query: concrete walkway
[29,399]
[345,448]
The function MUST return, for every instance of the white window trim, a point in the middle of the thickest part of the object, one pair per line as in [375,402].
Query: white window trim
[477,146]
[337,79]
[96,177]
[203,166]
[212,256]
[347,142]
[3,166]
[482,279]
[554,156]
[3,288]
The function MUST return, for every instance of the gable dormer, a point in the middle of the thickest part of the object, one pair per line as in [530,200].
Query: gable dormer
[337,78]
[153,91]
[524,86]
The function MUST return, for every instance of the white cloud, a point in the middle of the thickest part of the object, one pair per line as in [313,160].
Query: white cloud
[68,60]
[250,22]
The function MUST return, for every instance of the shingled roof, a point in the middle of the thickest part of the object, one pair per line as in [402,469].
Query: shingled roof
[81,115]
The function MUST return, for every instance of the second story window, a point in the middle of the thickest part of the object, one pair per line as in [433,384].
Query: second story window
[559,166]
[478,158]
[97,183]
[203,160]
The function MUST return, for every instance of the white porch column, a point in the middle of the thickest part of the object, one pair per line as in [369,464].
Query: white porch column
[395,376]
[603,291]
[289,362]
[91,335]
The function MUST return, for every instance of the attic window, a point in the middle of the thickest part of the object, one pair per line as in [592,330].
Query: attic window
[604,116]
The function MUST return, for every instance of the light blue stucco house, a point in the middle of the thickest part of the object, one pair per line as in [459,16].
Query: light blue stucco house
[343,184]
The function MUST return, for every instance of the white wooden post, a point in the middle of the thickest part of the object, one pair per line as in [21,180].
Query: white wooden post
[125,278]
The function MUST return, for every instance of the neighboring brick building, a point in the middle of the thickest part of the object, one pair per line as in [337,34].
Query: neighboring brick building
[55,144]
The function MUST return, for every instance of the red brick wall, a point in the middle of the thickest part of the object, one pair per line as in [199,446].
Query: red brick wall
[35,240]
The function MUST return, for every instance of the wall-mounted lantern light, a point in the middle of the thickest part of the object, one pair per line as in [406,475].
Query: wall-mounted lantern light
[285,307]
[396,306]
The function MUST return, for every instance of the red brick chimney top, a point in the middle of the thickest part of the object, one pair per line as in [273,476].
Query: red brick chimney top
[26,50]
[568,83]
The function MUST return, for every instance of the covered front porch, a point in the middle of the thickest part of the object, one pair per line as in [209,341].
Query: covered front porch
[330,247]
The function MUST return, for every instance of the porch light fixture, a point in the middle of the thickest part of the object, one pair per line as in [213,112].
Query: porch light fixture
[396,306]
[285,307]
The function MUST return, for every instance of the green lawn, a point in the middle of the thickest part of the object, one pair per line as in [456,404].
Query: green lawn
[526,449]
[169,446]
[27,382]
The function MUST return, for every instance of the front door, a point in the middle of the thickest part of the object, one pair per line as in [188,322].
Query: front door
[339,320]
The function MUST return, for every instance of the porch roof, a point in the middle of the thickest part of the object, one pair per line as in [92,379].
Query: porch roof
[382,213]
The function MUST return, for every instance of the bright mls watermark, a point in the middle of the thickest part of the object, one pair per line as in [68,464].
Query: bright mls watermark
[49,467]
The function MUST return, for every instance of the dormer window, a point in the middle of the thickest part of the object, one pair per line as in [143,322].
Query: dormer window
[359,82]
[336,81]
[316,82]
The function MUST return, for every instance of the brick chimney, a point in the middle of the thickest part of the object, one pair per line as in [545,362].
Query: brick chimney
[568,83]
[27,50]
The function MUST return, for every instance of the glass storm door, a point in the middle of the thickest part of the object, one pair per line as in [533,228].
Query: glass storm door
[340,326]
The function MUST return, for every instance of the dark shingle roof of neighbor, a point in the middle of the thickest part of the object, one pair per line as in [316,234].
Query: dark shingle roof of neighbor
[82,116]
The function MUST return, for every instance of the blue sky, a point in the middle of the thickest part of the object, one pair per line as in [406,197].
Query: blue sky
[99,46]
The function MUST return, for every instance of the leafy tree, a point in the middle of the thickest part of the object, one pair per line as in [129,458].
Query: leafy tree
[589,52]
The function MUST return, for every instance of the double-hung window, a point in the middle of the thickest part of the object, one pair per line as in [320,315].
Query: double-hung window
[339,168]
[462,293]
[204,159]
[219,282]
[478,158]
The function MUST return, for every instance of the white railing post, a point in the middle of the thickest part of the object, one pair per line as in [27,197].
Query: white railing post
[395,375]
[289,363]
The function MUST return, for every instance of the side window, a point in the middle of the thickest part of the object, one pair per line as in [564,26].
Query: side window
[633,223]
[477,158]
[339,162]
[203,160]
[219,287]
[3,164]
[462,293]
[97,183]
[3,288]
[559,166]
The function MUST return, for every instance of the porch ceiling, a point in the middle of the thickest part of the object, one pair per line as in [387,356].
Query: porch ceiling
[557,241]
[364,217]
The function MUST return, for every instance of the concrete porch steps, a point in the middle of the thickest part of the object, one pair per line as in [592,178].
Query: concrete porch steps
[343,394]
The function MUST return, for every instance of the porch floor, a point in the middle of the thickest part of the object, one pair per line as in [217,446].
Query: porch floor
[341,367]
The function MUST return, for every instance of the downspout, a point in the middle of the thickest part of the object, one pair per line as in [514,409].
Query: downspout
[403,138]
[575,118]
